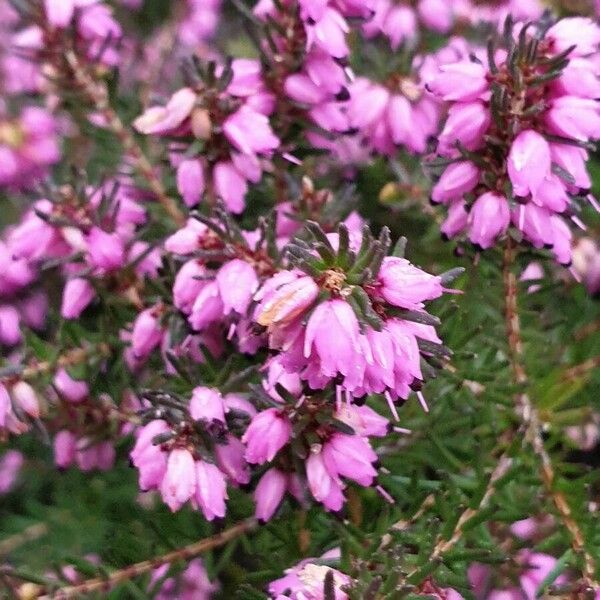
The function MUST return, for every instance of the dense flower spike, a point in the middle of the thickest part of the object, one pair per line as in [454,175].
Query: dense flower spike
[374,303]
[517,136]
[224,113]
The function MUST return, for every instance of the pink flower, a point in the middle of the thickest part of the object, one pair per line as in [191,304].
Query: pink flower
[211,490]
[580,32]
[574,118]
[322,485]
[65,445]
[332,336]
[489,218]
[329,34]
[147,333]
[179,482]
[363,420]
[10,322]
[404,285]
[26,399]
[207,404]
[207,308]
[186,240]
[190,181]
[349,456]
[188,284]
[250,132]
[456,180]
[77,294]
[105,250]
[231,461]
[467,123]
[528,162]
[5,405]
[436,14]
[163,119]
[150,460]
[60,12]
[10,466]
[281,303]
[269,493]
[237,282]
[306,580]
[230,185]
[464,81]
[267,433]
[456,221]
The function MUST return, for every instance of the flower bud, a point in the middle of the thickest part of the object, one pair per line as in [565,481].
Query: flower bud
[269,493]
[77,294]
[70,389]
[489,217]
[26,399]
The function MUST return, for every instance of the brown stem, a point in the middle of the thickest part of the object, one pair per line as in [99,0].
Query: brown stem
[582,369]
[68,359]
[504,463]
[531,421]
[98,94]
[100,584]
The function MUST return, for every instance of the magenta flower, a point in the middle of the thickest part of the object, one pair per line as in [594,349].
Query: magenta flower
[28,147]
[190,181]
[284,298]
[149,459]
[26,399]
[458,179]
[147,333]
[542,161]
[269,493]
[179,483]
[489,217]
[106,250]
[464,81]
[250,132]
[70,389]
[77,295]
[207,404]
[211,490]
[188,284]
[65,444]
[306,580]
[350,456]
[404,285]
[332,336]
[231,460]
[268,432]
[237,281]
[10,466]
[5,405]
[323,486]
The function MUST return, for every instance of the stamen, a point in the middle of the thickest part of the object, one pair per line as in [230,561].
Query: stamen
[422,401]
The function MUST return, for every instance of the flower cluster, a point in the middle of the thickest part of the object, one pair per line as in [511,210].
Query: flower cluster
[221,125]
[516,140]
[342,319]
[28,146]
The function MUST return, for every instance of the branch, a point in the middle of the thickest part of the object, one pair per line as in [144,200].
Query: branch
[530,419]
[582,369]
[69,359]
[97,93]
[33,532]
[100,584]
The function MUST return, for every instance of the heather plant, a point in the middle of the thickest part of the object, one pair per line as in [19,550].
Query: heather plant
[298,299]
